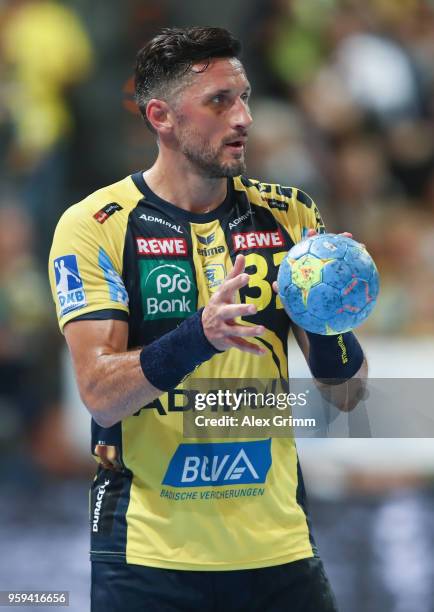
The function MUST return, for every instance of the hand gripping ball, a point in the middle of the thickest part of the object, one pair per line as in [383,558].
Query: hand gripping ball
[328,284]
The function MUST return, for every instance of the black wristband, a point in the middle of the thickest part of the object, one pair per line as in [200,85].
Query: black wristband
[167,360]
[334,359]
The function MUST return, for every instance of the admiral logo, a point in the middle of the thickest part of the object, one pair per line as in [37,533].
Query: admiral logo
[152,219]
[212,251]
[219,464]
[233,224]
[106,211]
[257,240]
[206,239]
[69,286]
[161,246]
[167,289]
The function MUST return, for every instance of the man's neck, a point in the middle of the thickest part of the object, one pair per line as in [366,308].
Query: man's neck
[181,186]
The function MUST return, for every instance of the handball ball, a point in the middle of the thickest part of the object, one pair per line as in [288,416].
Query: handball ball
[328,284]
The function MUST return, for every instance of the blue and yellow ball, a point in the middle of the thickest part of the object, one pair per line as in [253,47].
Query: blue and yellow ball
[328,284]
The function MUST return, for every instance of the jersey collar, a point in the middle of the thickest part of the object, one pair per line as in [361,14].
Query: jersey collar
[182,214]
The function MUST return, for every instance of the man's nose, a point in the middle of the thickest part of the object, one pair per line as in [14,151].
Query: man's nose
[241,116]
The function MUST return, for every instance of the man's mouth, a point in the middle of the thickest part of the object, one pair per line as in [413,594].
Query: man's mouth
[237,145]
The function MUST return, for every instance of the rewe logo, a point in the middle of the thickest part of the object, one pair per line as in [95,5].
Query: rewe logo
[167,289]
[219,464]
[257,240]
[161,246]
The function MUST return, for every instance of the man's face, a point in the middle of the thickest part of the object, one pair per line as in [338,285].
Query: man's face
[213,118]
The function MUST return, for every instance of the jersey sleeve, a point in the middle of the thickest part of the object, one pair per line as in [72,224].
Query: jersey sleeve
[308,214]
[85,266]
[291,207]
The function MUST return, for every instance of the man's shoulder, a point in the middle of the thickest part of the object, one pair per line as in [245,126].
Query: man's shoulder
[119,197]
[273,195]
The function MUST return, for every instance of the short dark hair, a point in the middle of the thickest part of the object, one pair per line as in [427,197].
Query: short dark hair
[166,59]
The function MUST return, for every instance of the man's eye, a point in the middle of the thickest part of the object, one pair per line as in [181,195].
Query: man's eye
[245,98]
[218,99]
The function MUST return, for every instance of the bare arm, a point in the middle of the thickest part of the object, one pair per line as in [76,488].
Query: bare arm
[110,378]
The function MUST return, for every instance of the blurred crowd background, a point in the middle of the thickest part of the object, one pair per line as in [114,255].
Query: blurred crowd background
[344,109]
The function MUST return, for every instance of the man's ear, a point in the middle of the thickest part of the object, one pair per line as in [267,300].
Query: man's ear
[159,115]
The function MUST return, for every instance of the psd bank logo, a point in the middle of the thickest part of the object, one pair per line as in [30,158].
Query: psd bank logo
[69,286]
[219,464]
[167,289]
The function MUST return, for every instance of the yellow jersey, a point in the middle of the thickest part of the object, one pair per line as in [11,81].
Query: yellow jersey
[209,504]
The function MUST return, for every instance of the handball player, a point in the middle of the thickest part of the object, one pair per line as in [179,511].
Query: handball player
[170,273]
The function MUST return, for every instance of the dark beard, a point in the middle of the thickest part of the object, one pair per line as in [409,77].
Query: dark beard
[210,167]
[206,160]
